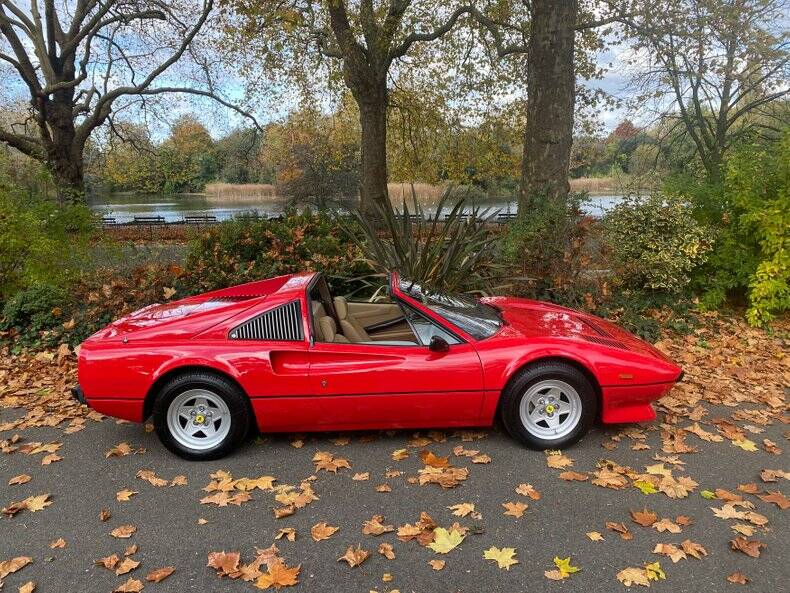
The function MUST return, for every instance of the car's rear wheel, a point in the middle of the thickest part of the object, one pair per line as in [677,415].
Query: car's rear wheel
[201,416]
[549,405]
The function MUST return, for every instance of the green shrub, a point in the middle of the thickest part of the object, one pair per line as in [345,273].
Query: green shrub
[655,242]
[242,251]
[547,251]
[39,240]
[758,186]
[37,308]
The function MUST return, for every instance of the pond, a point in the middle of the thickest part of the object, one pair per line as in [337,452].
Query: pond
[174,207]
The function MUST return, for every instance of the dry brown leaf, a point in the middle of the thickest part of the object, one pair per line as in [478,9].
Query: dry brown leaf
[322,530]
[20,479]
[125,495]
[387,551]
[124,531]
[13,565]
[738,578]
[594,536]
[644,517]
[354,556]
[127,565]
[28,587]
[514,509]
[58,544]
[750,547]
[130,586]
[437,564]
[225,563]
[160,574]
[108,562]
[528,490]
[375,526]
[288,533]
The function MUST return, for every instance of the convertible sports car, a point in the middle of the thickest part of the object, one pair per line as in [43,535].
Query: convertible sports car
[284,354]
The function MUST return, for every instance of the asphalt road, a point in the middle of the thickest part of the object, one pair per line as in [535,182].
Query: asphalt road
[168,533]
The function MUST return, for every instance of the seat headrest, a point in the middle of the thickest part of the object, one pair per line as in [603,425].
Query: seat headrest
[328,328]
[341,307]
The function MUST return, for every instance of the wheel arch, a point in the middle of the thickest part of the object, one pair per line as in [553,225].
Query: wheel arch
[156,386]
[582,368]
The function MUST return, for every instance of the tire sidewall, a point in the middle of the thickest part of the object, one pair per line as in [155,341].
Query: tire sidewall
[232,396]
[520,384]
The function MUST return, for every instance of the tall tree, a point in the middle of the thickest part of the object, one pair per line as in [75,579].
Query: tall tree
[547,32]
[366,38]
[715,69]
[73,61]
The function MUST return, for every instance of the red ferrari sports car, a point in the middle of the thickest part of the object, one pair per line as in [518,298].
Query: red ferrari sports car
[285,354]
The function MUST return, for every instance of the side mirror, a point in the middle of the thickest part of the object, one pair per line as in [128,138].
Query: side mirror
[438,344]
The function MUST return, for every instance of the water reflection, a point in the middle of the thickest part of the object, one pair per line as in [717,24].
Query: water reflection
[124,207]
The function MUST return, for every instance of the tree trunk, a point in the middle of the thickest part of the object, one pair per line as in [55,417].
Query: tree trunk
[373,121]
[64,148]
[551,94]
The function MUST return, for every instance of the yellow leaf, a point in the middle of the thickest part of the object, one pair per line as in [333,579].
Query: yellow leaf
[444,540]
[745,444]
[564,566]
[654,572]
[504,557]
[595,536]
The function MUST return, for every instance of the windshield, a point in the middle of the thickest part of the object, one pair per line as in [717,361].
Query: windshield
[477,319]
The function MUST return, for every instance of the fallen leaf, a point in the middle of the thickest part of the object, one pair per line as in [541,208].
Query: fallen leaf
[528,490]
[130,586]
[10,566]
[666,525]
[399,454]
[286,532]
[322,530]
[124,531]
[20,479]
[375,526]
[633,576]
[644,517]
[125,495]
[514,509]
[386,551]
[361,476]
[160,574]
[594,536]
[750,547]
[225,563]
[738,578]
[127,565]
[58,544]
[37,503]
[619,528]
[354,557]
[556,460]
[671,550]
[445,540]
[694,549]
[504,557]
[776,498]
[432,460]
[563,570]
[279,575]
[654,571]
[108,562]
[28,587]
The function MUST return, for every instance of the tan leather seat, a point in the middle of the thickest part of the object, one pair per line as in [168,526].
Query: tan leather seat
[351,328]
[328,330]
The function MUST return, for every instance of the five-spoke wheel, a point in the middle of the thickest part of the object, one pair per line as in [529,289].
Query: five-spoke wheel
[200,415]
[549,405]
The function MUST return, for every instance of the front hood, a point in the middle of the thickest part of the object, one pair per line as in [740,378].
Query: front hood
[536,319]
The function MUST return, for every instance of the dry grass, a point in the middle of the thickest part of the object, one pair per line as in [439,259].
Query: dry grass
[423,191]
[594,184]
[235,191]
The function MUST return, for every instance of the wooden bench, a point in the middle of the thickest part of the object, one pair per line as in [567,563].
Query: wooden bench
[248,216]
[148,220]
[200,219]
[506,217]
[108,221]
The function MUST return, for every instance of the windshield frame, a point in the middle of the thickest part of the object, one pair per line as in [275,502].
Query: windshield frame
[437,316]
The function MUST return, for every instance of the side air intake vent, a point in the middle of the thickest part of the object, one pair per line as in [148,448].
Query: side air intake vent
[283,323]
[606,342]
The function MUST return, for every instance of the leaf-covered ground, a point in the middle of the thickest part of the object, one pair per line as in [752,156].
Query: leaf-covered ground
[693,502]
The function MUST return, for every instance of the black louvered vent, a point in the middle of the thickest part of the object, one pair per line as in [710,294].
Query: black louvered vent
[283,323]
[606,342]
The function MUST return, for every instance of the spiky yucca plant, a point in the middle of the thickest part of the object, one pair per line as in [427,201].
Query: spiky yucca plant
[451,252]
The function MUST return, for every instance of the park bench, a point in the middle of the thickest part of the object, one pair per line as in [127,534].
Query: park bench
[200,219]
[248,216]
[148,220]
[506,217]
[108,221]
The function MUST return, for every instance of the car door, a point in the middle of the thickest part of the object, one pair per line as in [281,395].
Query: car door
[372,385]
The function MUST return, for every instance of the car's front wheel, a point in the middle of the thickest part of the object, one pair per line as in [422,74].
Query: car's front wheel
[549,405]
[201,416]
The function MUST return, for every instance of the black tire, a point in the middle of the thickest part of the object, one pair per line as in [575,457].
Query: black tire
[517,388]
[236,400]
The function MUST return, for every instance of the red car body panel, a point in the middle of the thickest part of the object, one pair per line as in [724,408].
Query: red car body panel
[306,385]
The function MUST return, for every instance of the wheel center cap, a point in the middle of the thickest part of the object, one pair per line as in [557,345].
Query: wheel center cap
[550,409]
[200,419]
